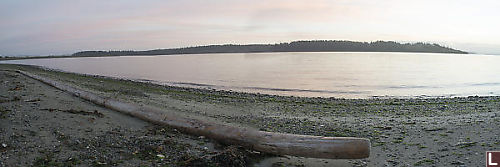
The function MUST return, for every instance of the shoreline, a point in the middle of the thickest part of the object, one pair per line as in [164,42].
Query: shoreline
[373,81]
[255,91]
[427,131]
[72,56]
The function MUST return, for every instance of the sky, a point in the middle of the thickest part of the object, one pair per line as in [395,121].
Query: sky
[54,27]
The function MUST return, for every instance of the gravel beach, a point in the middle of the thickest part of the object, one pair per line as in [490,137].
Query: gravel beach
[40,125]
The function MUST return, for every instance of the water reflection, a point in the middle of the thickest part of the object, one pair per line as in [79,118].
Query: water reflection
[346,75]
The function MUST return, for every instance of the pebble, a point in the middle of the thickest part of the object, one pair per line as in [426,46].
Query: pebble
[457,163]
[4,145]
[444,149]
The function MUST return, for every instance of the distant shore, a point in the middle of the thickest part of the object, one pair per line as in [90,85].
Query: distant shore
[295,46]
[435,131]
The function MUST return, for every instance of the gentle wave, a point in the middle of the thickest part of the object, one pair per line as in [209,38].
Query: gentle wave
[264,88]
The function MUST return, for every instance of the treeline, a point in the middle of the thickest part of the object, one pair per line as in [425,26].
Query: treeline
[296,46]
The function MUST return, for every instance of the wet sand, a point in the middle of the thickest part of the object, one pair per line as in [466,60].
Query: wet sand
[41,124]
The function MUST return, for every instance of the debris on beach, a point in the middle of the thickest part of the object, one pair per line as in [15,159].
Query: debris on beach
[160,156]
[73,111]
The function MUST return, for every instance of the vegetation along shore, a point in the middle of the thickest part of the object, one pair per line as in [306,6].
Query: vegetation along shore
[295,46]
[41,125]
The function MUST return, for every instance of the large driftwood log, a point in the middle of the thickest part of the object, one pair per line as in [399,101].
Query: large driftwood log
[269,142]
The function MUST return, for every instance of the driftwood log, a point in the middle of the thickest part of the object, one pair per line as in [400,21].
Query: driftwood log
[269,142]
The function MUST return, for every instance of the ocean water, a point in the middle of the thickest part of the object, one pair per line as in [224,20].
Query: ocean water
[319,74]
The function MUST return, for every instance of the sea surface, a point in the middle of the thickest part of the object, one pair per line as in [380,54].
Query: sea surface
[323,74]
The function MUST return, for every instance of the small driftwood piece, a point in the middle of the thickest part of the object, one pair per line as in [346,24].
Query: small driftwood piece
[269,142]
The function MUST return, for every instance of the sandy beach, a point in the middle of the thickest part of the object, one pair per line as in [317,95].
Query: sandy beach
[41,125]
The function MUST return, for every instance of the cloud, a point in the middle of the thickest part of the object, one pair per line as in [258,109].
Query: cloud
[55,27]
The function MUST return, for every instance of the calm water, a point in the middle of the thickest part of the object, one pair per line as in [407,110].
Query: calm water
[347,75]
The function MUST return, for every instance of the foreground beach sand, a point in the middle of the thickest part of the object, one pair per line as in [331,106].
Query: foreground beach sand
[42,125]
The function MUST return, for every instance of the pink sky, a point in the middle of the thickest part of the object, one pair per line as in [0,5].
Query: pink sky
[63,27]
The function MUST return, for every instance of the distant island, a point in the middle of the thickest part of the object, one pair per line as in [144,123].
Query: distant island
[295,46]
